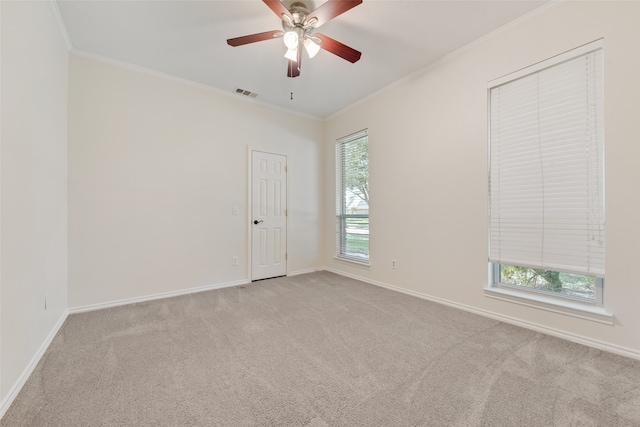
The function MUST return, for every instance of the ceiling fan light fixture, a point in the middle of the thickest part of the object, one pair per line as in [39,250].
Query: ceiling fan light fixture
[291,40]
[292,54]
[311,47]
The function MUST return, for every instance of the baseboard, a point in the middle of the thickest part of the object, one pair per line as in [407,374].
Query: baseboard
[100,306]
[13,392]
[299,272]
[590,342]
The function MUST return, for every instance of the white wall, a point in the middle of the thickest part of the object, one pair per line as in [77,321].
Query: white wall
[428,169]
[155,169]
[33,189]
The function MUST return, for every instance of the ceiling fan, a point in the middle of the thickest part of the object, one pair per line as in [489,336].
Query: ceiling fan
[298,30]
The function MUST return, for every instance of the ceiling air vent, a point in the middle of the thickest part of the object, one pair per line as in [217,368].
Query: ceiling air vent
[246,93]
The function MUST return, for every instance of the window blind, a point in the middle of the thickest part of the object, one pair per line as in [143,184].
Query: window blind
[352,197]
[546,166]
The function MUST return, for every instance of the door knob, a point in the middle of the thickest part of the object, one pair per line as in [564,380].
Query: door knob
[257,222]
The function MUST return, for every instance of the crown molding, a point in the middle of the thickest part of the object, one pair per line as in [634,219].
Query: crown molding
[148,71]
[449,57]
[63,28]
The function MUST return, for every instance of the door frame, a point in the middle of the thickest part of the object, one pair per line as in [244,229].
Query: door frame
[249,218]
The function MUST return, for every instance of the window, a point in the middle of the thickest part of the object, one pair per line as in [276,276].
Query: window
[352,198]
[546,178]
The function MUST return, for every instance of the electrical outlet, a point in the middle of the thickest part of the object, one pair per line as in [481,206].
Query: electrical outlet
[394,264]
[234,261]
[234,211]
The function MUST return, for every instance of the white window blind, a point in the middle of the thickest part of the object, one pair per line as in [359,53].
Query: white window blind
[352,197]
[546,165]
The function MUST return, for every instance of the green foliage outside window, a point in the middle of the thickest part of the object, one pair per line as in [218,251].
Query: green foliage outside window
[548,280]
[356,160]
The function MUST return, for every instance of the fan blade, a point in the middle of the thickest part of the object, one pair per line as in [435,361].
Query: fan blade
[337,48]
[278,8]
[294,67]
[267,35]
[331,9]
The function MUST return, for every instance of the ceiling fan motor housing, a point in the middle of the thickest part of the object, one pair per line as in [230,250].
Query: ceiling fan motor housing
[298,23]
[299,12]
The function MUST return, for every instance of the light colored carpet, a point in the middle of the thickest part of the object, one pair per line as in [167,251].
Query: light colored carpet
[317,350]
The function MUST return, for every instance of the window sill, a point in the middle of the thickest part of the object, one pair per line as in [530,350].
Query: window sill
[596,314]
[360,264]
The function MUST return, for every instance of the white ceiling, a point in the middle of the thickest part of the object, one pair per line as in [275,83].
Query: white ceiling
[187,39]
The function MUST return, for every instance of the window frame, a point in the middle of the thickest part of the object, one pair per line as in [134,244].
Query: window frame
[542,301]
[342,216]
[597,301]
[592,309]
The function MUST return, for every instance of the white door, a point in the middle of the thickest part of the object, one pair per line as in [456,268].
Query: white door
[269,215]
